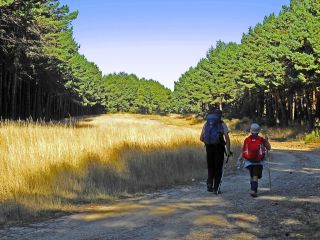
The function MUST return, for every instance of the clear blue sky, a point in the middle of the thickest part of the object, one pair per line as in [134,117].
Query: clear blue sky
[161,39]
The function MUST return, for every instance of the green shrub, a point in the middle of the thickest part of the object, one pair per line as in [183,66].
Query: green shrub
[313,137]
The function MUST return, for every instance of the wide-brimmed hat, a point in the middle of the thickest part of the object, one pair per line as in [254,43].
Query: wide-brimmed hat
[255,128]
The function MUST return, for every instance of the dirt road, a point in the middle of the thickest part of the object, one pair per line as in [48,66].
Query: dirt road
[291,210]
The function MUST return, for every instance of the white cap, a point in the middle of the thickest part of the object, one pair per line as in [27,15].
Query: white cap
[255,128]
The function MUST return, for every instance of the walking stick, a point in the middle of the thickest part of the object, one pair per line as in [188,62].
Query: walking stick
[268,160]
[224,168]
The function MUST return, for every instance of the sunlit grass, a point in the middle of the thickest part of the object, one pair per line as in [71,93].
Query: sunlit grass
[53,167]
[48,167]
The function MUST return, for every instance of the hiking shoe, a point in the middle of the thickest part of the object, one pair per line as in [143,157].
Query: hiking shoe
[209,189]
[253,194]
[216,192]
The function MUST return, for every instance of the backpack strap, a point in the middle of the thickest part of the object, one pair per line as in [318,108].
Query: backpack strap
[221,127]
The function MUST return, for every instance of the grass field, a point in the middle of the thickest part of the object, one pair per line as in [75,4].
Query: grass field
[46,168]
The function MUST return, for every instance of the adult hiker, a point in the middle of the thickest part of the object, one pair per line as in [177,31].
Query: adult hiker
[253,152]
[215,135]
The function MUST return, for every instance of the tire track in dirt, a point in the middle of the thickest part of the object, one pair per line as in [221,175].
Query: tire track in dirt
[289,211]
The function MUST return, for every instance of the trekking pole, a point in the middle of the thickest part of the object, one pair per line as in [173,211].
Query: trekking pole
[224,168]
[268,160]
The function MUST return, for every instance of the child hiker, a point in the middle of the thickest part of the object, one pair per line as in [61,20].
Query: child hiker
[253,153]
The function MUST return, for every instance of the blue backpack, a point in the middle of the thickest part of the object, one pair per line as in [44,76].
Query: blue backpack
[213,131]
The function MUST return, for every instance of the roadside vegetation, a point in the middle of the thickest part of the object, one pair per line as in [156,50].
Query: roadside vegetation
[49,167]
[313,137]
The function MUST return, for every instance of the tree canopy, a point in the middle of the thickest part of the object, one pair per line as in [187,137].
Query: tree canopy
[43,75]
[127,93]
[271,76]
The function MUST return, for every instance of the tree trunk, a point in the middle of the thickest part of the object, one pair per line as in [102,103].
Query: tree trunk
[2,74]
[293,107]
[309,103]
[28,100]
[318,106]
[283,112]
[314,101]
[14,90]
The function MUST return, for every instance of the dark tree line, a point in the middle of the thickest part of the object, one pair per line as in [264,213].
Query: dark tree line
[41,72]
[128,93]
[273,76]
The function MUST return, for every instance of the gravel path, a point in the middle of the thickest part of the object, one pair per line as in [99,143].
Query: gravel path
[291,210]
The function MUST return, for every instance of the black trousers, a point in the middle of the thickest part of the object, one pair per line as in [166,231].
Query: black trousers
[255,170]
[215,157]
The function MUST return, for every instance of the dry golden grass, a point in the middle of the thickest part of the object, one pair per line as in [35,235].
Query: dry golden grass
[46,168]
[54,167]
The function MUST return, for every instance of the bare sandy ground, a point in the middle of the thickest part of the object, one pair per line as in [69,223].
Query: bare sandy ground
[290,210]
